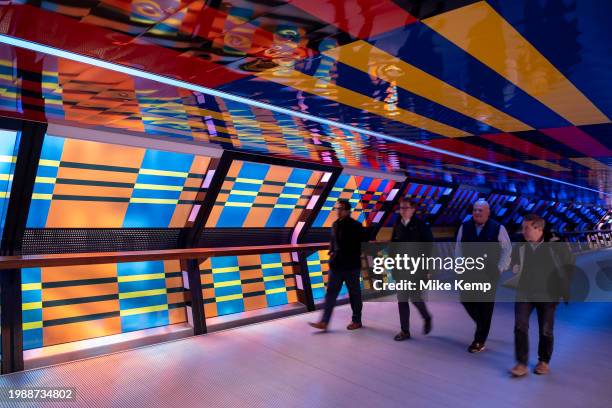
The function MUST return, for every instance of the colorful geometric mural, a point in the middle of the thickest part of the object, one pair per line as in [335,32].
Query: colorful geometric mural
[65,304]
[9,145]
[262,195]
[84,184]
[365,194]
[427,198]
[234,284]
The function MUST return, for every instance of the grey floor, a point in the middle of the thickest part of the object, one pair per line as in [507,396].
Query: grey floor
[284,363]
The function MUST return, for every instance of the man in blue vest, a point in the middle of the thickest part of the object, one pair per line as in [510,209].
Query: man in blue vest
[481,229]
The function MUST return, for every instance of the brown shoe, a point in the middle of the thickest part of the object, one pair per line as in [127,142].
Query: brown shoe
[354,326]
[519,370]
[319,325]
[541,368]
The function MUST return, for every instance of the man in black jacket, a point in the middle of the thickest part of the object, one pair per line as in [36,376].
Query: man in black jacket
[543,269]
[408,228]
[344,265]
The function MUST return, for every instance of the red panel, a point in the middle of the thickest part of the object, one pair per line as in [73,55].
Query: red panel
[467,149]
[578,140]
[516,143]
[97,42]
[363,19]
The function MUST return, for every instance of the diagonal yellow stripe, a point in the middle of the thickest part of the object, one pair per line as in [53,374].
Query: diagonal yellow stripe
[143,186]
[328,90]
[229,297]
[167,173]
[547,165]
[140,200]
[236,282]
[32,325]
[31,306]
[276,290]
[146,276]
[367,58]
[31,286]
[482,32]
[141,310]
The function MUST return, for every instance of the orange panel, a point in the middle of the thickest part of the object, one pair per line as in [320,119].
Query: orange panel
[253,287]
[178,315]
[74,292]
[181,213]
[65,333]
[67,273]
[255,302]
[79,214]
[81,309]
[257,217]
[176,297]
[210,309]
[82,151]
[96,175]
[292,296]
[92,191]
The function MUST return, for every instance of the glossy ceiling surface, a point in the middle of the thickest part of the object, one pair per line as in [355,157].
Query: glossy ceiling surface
[523,84]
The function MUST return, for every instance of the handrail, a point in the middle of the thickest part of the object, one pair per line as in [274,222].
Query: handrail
[91,258]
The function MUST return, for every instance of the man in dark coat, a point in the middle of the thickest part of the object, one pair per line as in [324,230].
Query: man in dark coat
[410,229]
[344,265]
[544,270]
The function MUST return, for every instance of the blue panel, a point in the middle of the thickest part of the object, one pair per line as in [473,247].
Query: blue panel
[140,215]
[230,306]
[144,301]
[232,216]
[144,320]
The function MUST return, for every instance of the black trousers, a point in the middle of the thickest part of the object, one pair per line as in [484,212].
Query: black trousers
[482,314]
[404,309]
[546,320]
[334,285]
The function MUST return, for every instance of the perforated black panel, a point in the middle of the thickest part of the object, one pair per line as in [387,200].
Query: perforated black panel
[69,240]
[222,237]
[316,235]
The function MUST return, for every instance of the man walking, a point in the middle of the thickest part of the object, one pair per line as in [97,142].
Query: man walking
[496,252]
[408,228]
[543,281]
[344,265]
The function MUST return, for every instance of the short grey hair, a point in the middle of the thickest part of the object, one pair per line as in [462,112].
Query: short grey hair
[481,201]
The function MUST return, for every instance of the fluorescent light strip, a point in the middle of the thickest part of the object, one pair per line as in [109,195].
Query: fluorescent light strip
[17,42]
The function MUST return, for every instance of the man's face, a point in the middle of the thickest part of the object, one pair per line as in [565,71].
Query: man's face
[406,210]
[341,211]
[531,232]
[480,213]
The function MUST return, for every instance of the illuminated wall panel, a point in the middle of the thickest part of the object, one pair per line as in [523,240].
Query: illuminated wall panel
[318,270]
[65,304]
[262,195]
[84,184]
[458,208]
[501,206]
[427,196]
[234,284]
[366,195]
[8,156]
